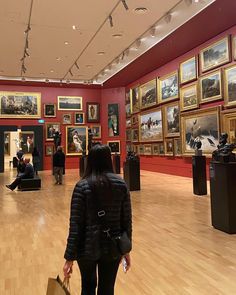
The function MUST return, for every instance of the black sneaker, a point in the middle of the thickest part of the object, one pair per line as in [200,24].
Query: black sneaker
[9,187]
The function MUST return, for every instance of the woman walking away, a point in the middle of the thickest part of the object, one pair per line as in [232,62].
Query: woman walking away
[35,160]
[100,211]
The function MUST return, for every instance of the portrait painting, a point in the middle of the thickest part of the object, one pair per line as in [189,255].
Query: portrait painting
[155,149]
[49,150]
[70,103]
[135,120]
[128,134]
[141,149]
[128,123]
[148,94]
[189,97]
[177,147]
[76,140]
[172,119]
[134,135]
[114,146]
[151,126]
[147,149]
[50,110]
[51,128]
[96,131]
[66,119]
[230,85]
[20,105]
[7,143]
[134,99]
[188,70]
[169,147]
[211,87]
[113,119]
[79,118]
[215,55]
[127,104]
[200,126]
[169,87]
[93,112]
[26,139]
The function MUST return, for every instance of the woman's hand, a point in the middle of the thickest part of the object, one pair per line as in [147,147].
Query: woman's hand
[67,269]
[128,261]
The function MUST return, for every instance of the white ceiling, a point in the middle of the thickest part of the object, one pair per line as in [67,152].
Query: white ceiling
[51,25]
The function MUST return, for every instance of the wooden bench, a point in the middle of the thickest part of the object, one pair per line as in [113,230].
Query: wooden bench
[28,184]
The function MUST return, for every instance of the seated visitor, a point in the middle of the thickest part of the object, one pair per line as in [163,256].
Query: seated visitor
[20,154]
[28,173]
[21,166]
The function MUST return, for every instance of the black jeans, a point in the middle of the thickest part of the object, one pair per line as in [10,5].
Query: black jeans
[107,270]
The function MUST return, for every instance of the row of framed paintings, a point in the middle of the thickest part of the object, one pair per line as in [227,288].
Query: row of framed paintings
[170,147]
[201,125]
[167,88]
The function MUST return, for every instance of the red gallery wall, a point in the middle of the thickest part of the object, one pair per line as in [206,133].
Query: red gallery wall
[176,165]
[49,95]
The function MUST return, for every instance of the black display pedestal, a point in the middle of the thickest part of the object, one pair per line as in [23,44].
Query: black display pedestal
[116,164]
[199,175]
[223,196]
[82,165]
[132,174]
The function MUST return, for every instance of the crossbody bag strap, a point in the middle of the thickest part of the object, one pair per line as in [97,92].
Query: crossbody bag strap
[101,213]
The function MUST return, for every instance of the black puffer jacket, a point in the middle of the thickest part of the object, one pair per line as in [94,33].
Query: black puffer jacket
[84,221]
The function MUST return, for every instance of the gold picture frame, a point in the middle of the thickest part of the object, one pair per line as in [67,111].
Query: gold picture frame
[148,94]
[169,147]
[210,87]
[50,129]
[215,55]
[229,124]
[66,119]
[134,100]
[188,70]
[96,130]
[75,136]
[230,85]
[169,87]
[50,110]
[177,147]
[25,105]
[234,47]
[141,150]
[147,149]
[203,125]
[189,97]
[114,145]
[171,115]
[70,103]
[135,135]
[155,149]
[79,118]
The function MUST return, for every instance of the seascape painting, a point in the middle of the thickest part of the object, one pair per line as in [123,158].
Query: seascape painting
[70,103]
[151,126]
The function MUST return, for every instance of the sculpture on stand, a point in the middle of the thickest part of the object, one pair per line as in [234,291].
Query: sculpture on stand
[224,152]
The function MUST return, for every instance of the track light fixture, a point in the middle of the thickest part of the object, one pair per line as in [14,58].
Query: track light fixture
[153,32]
[123,55]
[168,17]
[125,4]
[111,20]
[137,43]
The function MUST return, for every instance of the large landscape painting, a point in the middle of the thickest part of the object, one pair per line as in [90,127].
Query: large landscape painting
[151,126]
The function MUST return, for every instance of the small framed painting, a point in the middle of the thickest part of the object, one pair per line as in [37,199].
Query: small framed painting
[128,135]
[50,110]
[161,149]
[141,149]
[134,98]
[169,87]
[135,135]
[211,87]
[147,149]
[127,104]
[172,119]
[49,150]
[177,147]
[134,120]
[230,85]
[215,55]
[128,123]
[188,70]
[114,146]
[93,112]
[79,118]
[169,147]
[148,94]
[136,149]
[189,97]
[51,128]
[155,149]
[66,119]
[96,131]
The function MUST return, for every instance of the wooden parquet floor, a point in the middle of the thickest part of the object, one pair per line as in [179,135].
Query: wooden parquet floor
[175,248]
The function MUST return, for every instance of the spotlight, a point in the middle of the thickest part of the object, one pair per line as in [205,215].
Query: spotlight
[27,44]
[167,18]
[111,21]
[67,81]
[153,32]
[125,4]
[137,43]
[77,66]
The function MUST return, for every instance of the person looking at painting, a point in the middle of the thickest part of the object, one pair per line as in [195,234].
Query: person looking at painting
[28,173]
[83,244]
[35,160]
[58,164]
[77,142]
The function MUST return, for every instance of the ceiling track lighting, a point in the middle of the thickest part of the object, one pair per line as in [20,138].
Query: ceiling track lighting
[111,21]
[168,17]
[125,4]
[153,32]
[137,43]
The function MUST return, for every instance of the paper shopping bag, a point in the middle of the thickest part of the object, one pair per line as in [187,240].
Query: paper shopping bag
[57,287]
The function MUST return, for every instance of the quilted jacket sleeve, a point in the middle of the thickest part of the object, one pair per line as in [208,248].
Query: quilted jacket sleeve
[77,221]
[126,217]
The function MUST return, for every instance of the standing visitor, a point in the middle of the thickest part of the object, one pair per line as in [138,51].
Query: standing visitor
[89,241]
[58,164]
[35,160]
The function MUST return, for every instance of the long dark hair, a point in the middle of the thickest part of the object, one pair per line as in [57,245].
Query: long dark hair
[98,162]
